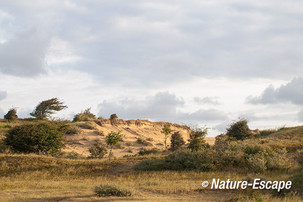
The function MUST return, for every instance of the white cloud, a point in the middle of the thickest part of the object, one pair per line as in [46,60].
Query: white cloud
[290,92]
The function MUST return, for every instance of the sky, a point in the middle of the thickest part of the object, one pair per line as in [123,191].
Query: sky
[197,62]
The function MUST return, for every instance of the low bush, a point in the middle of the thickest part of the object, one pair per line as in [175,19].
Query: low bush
[99,150]
[89,125]
[86,115]
[144,151]
[297,185]
[267,132]
[151,165]
[72,130]
[43,137]
[105,190]
[143,142]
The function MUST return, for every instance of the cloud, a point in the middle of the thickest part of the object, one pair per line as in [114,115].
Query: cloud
[3,95]
[24,55]
[162,106]
[300,116]
[290,92]
[206,100]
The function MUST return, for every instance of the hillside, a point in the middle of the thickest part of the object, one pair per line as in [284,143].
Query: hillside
[132,130]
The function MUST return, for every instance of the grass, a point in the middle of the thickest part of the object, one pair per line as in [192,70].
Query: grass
[44,178]
[34,177]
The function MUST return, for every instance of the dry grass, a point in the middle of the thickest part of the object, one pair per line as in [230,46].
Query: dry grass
[41,178]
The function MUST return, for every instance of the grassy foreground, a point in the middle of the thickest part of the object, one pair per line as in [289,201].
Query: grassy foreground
[42,178]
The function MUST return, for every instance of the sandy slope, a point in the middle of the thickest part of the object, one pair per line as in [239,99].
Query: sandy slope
[131,130]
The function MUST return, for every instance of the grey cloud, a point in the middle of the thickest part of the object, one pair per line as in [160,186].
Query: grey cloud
[157,43]
[3,95]
[207,100]
[24,55]
[161,107]
[300,115]
[290,92]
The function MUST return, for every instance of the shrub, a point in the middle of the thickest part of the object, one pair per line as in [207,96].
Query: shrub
[99,150]
[11,115]
[151,165]
[88,125]
[196,139]
[143,142]
[267,132]
[203,160]
[86,115]
[277,160]
[35,138]
[113,116]
[177,141]
[144,151]
[239,130]
[109,190]
[256,163]
[297,185]
[299,156]
[72,130]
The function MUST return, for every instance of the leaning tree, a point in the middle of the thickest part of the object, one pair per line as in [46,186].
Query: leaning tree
[47,107]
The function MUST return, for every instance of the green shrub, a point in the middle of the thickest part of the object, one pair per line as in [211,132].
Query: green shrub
[144,151]
[267,132]
[197,140]
[72,130]
[143,142]
[35,138]
[99,150]
[151,165]
[11,115]
[256,163]
[203,160]
[177,141]
[239,130]
[299,156]
[110,190]
[86,115]
[297,185]
[277,160]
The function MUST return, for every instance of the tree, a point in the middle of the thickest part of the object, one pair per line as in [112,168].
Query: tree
[47,107]
[239,130]
[112,139]
[177,141]
[197,139]
[36,138]
[166,130]
[11,115]
[84,116]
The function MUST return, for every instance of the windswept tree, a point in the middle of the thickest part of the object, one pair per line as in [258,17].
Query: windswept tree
[112,139]
[11,115]
[166,130]
[47,107]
